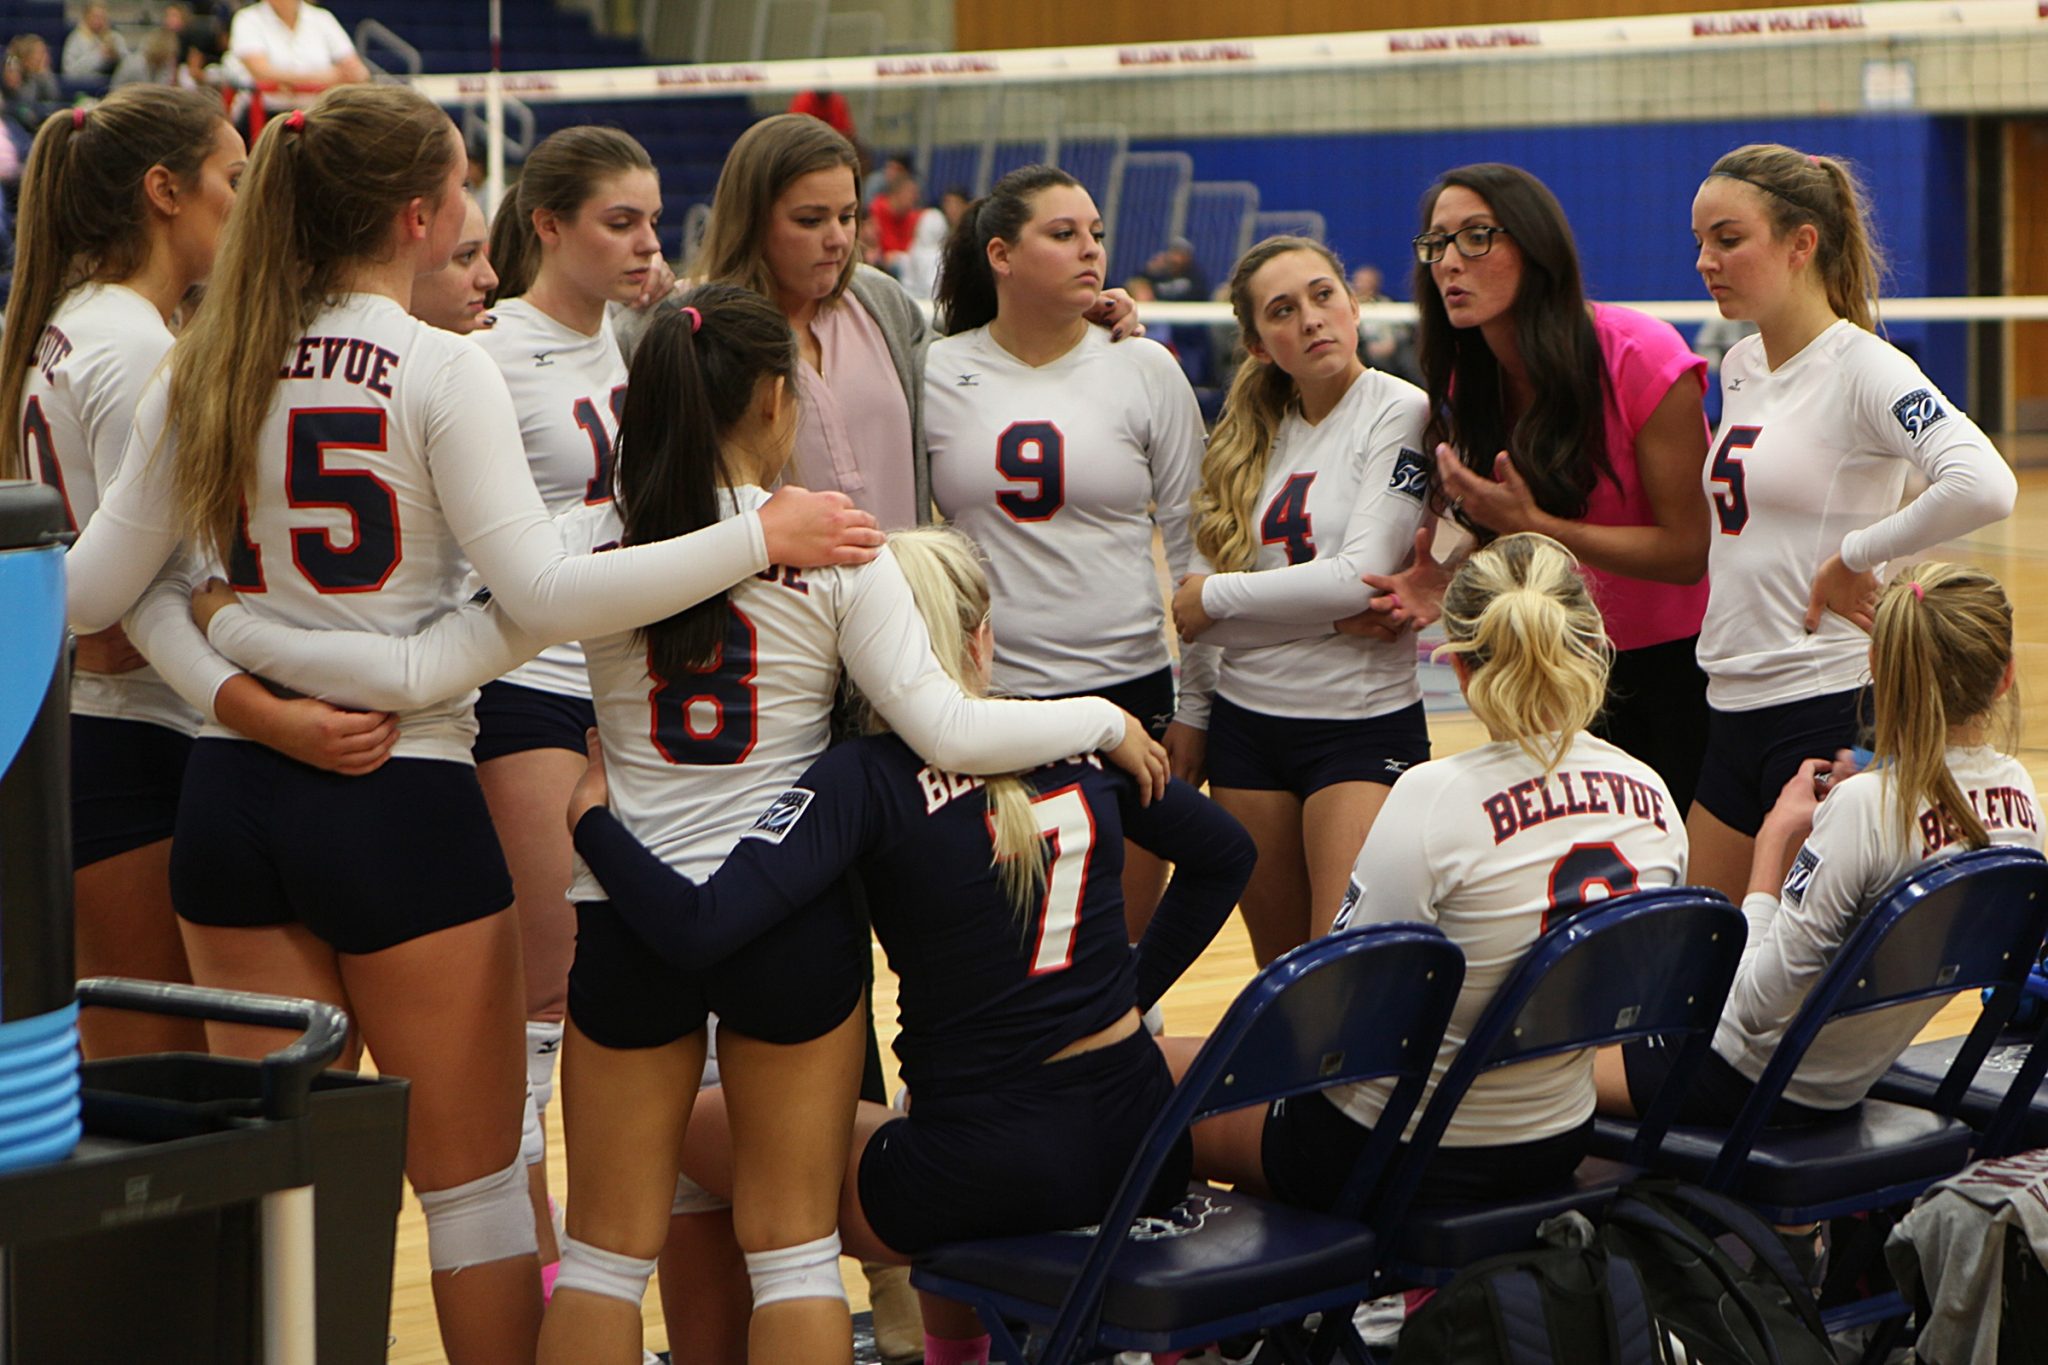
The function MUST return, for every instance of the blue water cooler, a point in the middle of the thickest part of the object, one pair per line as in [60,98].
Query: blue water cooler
[39,1102]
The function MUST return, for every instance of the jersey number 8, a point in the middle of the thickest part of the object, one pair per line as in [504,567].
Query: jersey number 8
[724,690]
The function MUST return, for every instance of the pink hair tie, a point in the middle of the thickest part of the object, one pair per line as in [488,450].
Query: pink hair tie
[295,121]
[77,117]
[696,320]
[1812,160]
[1919,593]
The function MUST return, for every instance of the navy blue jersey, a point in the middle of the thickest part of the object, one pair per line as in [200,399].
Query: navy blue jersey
[985,990]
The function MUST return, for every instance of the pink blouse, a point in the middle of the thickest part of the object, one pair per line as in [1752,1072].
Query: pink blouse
[1645,357]
[853,420]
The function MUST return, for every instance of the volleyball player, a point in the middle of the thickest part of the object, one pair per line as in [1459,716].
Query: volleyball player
[121,211]
[1314,476]
[1493,846]
[455,297]
[1821,421]
[997,901]
[710,714]
[1059,452]
[344,459]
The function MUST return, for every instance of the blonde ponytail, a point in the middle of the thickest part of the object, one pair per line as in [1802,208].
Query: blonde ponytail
[1940,646]
[946,580]
[1520,615]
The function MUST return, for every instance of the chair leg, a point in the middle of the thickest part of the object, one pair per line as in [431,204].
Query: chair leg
[1337,1335]
[1002,1343]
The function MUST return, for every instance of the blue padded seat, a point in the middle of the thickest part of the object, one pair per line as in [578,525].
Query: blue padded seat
[1918,1073]
[1459,1234]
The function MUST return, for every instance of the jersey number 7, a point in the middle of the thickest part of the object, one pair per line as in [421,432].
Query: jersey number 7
[1069,826]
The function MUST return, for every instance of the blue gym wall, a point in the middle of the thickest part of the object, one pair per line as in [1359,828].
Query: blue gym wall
[1628,191]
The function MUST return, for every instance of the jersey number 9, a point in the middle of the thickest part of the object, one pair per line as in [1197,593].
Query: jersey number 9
[707,717]
[1033,453]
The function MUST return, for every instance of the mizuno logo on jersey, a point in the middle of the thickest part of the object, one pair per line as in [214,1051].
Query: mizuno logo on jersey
[1918,411]
[1394,765]
[1352,894]
[1735,385]
[541,359]
[782,814]
[969,381]
[1801,876]
[1411,474]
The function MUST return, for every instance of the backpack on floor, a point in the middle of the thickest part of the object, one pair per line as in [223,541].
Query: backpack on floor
[1649,1286]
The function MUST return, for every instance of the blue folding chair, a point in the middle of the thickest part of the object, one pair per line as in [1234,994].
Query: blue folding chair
[1969,921]
[1361,1004]
[1658,961]
[2003,1104]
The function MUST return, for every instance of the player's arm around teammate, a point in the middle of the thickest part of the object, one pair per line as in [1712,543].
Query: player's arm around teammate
[388,893]
[1821,421]
[954,862]
[1060,452]
[1313,477]
[1493,846]
[1943,779]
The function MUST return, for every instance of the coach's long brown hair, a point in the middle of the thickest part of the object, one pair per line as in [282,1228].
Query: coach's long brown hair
[320,196]
[560,174]
[1801,190]
[1939,652]
[85,217]
[1234,466]
[766,160]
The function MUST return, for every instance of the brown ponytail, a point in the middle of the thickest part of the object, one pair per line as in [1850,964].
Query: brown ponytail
[1799,189]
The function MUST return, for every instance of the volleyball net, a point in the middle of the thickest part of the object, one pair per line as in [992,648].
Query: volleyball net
[1335,136]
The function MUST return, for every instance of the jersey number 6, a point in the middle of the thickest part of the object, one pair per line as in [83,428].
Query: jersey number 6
[1589,873]
[707,717]
[1033,453]
[1732,507]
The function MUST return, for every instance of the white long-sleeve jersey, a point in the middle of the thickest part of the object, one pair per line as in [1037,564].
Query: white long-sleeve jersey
[1340,498]
[568,391]
[1059,472]
[1811,460]
[1491,849]
[389,462]
[96,356]
[692,761]
[1854,855]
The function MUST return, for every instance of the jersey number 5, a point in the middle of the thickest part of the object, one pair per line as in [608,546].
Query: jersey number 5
[1033,453]
[707,717]
[1287,520]
[1732,506]
[374,548]
[1589,873]
[1065,820]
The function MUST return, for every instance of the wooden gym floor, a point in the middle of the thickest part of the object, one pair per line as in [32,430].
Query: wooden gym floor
[2016,550]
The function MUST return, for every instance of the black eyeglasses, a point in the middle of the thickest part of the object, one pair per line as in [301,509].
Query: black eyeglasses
[1473,242]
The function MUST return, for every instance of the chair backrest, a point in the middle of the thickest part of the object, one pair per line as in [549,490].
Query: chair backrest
[1358,1004]
[1012,154]
[1219,224]
[1658,961]
[1965,922]
[1152,201]
[1095,157]
[1289,223]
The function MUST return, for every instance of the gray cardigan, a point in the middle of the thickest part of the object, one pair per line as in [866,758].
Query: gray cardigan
[904,329]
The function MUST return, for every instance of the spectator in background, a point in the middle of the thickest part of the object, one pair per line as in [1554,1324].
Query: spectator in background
[29,87]
[1175,276]
[153,62]
[883,178]
[94,48]
[294,47]
[895,215]
[920,272]
[1388,346]
[1141,291]
[829,107]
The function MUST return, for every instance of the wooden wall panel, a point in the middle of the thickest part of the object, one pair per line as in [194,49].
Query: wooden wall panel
[980,24]
[2027,247]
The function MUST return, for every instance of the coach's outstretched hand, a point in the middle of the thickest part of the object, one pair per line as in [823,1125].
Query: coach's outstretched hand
[807,530]
[1144,758]
[1839,589]
[1410,599]
[591,790]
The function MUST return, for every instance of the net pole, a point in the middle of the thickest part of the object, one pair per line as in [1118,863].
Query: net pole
[494,115]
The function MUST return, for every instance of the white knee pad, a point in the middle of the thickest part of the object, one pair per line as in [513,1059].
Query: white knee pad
[694,1198]
[809,1271]
[543,1045]
[597,1271]
[533,1140]
[488,1219]
[710,1053]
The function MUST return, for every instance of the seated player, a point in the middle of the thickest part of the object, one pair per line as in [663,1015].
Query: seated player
[1492,846]
[1941,661]
[999,902]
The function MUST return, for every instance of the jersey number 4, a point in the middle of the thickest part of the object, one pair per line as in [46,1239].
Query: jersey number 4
[1069,826]
[1732,505]
[1589,873]
[599,489]
[1033,453]
[707,717]
[374,545]
[1287,520]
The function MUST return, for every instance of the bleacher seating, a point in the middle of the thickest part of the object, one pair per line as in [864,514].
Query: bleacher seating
[1218,220]
[1152,205]
[1289,223]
